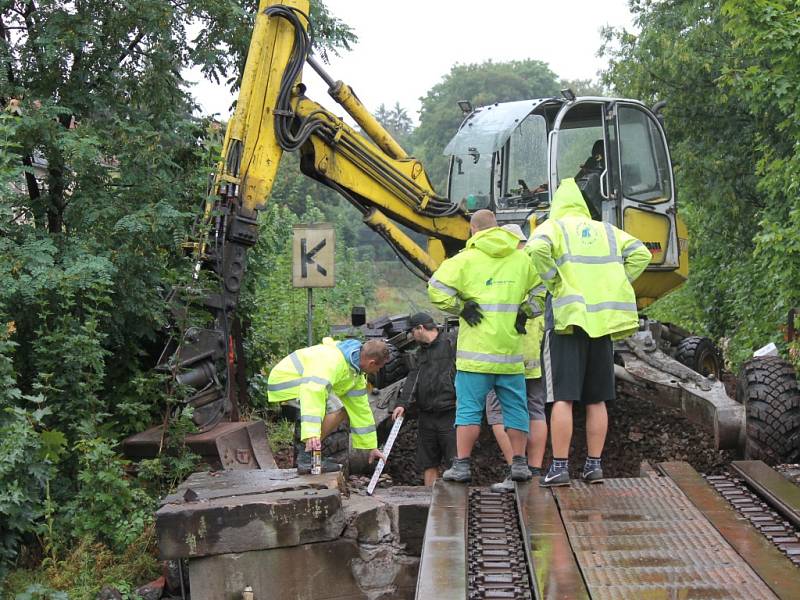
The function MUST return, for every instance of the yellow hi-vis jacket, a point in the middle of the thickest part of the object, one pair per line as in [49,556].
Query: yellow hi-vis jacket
[532,341]
[588,267]
[493,273]
[309,374]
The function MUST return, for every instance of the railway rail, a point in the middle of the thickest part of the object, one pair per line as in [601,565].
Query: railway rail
[676,535]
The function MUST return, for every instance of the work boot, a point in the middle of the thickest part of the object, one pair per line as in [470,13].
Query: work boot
[305,460]
[507,485]
[519,469]
[592,473]
[460,471]
[555,477]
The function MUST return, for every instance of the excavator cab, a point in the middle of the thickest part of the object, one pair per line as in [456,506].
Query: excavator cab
[510,157]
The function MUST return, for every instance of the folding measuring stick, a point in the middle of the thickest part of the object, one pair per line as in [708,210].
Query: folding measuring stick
[387,447]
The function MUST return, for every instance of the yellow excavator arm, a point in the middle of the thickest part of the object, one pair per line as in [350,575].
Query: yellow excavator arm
[376,175]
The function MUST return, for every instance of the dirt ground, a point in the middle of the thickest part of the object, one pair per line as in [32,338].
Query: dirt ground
[639,430]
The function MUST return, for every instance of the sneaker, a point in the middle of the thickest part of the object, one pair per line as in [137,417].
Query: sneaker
[554,478]
[535,471]
[592,474]
[304,461]
[507,485]
[519,469]
[460,471]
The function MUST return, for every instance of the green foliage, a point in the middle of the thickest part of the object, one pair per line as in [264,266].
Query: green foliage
[27,453]
[38,591]
[109,506]
[280,434]
[103,168]
[725,69]
[480,84]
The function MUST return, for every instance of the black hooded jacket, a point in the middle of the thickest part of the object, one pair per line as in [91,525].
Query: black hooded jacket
[431,382]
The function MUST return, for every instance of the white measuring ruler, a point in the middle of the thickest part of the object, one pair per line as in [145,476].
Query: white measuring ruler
[387,447]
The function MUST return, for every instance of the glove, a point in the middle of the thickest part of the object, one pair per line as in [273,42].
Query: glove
[471,313]
[519,323]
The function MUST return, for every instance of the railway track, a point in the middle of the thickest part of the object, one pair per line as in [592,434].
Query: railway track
[497,556]
[748,503]
[680,534]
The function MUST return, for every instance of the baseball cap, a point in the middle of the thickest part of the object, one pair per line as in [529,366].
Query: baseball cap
[516,230]
[420,318]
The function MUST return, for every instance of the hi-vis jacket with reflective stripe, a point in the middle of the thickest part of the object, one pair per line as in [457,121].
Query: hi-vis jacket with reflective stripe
[493,273]
[310,374]
[588,267]
[532,340]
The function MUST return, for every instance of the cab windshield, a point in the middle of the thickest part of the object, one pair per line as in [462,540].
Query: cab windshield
[527,162]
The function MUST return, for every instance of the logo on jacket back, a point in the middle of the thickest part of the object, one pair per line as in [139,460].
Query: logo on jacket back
[493,281]
[587,235]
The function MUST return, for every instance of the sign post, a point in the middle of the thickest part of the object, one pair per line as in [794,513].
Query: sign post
[313,258]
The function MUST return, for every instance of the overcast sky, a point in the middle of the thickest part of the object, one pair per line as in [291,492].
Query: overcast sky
[405,47]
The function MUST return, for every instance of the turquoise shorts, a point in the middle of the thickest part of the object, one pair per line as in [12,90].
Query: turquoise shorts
[471,390]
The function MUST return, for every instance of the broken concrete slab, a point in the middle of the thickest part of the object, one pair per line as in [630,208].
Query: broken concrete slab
[339,569]
[409,511]
[368,520]
[238,511]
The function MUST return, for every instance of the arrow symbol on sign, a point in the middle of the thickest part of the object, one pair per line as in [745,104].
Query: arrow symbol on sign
[307,257]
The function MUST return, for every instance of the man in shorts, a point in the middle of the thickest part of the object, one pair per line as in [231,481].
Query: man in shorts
[531,347]
[486,285]
[431,385]
[588,267]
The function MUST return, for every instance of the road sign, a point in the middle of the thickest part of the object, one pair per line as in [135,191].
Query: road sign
[313,246]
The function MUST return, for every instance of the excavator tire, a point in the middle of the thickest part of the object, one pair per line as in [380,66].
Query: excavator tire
[394,370]
[768,388]
[700,355]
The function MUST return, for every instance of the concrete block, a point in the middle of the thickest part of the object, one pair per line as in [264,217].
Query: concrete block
[368,520]
[251,522]
[327,570]
[408,507]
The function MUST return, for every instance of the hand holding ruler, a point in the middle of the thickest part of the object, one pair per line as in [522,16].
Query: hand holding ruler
[387,447]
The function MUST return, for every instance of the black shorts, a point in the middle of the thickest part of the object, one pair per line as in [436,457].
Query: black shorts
[577,368]
[436,439]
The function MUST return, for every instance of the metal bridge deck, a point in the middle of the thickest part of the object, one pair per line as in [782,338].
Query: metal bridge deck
[647,537]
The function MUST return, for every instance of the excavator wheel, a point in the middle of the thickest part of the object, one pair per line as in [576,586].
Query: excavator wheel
[394,370]
[768,388]
[699,354]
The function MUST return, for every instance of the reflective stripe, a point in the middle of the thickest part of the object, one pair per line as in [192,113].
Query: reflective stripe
[612,240]
[500,307]
[611,306]
[542,236]
[362,430]
[559,302]
[353,393]
[588,260]
[296,362]
[433,282]
[565,234]
[490,358]
[548,368]
[550,274]
[536,310]
[632,248]
[285,385]
[575,298]
[539,289]
[310,419]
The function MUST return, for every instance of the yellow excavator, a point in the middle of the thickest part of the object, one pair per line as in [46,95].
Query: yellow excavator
[508,157]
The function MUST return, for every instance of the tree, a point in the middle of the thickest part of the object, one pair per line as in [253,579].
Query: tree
[725,69]
[103,168]
[480,84]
